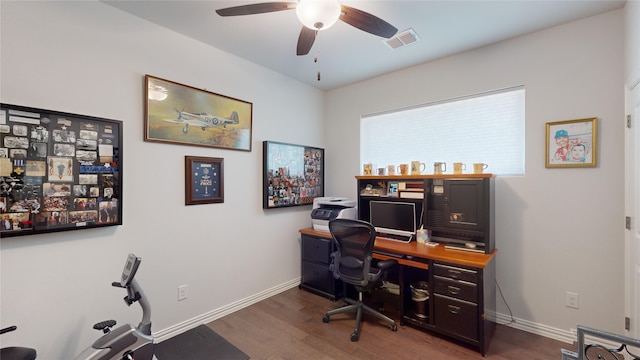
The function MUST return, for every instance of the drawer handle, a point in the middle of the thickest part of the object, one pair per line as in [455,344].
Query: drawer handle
[454,274]
[454,309]
[453,290]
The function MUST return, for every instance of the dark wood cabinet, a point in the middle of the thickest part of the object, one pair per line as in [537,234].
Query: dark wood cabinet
[457,210]
[316,258]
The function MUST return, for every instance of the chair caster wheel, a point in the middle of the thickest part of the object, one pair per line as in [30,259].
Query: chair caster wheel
[354,337]
[394,327]
[325,319]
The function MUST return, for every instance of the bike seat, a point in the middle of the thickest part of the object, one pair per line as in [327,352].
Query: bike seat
[105,326]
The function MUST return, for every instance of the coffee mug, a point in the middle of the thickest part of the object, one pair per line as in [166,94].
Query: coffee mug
[458,167]
[403,169]
[478,168]
[368,169]
[439,167]
[391,169]
[417,167]
[381,171]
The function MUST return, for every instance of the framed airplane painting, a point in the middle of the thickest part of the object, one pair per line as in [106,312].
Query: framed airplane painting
[181,114]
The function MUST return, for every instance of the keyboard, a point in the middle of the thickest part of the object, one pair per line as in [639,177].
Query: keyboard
[395,237]
[387,253]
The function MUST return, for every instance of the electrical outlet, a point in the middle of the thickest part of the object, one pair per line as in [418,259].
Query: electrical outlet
[182,292]
[573,300]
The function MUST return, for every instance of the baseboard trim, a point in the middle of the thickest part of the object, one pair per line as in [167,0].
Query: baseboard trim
[569,337]
[222,311]
[535,328]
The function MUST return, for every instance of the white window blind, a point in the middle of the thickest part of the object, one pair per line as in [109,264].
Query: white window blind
[486,128]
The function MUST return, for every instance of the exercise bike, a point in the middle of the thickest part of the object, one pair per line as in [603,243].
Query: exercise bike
[125,342]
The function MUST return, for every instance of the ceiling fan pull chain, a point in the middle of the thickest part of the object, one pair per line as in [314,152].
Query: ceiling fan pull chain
[315,60]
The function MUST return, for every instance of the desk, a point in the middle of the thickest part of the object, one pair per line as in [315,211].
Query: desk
[461,284]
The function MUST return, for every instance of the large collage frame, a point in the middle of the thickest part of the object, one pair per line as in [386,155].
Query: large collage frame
[293,175]
[58,171]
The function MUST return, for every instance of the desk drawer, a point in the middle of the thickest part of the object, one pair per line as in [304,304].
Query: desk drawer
[316,249]
[456,289]
[456,273]
[456,317]
[318,277]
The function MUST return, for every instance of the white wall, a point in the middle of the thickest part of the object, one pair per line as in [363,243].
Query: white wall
[557,230]
[89,58]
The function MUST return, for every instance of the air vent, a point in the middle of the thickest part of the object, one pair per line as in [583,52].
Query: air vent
[402,38]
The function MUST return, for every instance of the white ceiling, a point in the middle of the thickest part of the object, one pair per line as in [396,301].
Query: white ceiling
[347,55]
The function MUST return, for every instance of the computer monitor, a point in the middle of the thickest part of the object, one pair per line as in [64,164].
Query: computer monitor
[393,217]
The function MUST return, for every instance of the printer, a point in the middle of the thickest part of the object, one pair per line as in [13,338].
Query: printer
[328,208]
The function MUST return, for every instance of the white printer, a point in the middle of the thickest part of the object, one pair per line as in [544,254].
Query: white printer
[328,208]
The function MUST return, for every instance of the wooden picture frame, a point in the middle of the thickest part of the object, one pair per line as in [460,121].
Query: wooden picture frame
[58,171]
[204,180]
[572,143]
[180,114]
[293,175]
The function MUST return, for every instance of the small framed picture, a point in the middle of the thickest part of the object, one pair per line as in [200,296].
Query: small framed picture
[392,189]
[204,180]
[572,143]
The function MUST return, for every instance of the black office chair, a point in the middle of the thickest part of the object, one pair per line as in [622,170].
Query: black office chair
[351,263]
[14,352]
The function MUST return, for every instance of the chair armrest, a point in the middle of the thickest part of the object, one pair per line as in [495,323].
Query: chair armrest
[385,264]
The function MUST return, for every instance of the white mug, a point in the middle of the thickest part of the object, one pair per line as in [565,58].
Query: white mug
[478,168]
[439,167]
[368,169]
[458,167]
[391,170]
[417,167]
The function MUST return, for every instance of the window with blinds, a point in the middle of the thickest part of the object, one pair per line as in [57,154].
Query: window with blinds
[485,128]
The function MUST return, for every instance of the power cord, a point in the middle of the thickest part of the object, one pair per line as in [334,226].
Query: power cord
[507,304]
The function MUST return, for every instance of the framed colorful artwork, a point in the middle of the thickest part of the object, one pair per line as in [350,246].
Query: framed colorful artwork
[293,175]
[58,171]
[180,114]
[572,143]
[204,180]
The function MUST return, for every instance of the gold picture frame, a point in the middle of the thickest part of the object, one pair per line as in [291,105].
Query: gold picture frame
[180,114]
[572,143]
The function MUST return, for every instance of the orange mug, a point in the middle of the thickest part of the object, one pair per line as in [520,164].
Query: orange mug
[403,169]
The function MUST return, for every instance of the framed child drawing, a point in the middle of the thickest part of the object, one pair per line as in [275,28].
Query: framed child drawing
[572,143]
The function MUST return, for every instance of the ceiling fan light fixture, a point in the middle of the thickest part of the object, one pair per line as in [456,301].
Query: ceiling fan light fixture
[318,14]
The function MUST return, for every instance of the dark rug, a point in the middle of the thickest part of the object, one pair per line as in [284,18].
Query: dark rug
[200,343]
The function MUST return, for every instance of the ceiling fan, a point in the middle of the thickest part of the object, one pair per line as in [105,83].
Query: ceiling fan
[317,15]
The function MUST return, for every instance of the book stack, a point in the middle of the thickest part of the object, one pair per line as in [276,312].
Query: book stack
[412,190]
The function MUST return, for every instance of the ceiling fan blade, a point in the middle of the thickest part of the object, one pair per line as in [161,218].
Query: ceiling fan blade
[367,22]
[257,8]
[306,40]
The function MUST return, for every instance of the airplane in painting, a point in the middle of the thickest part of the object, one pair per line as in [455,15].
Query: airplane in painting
[203,120]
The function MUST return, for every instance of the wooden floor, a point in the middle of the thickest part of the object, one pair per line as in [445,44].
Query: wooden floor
[289,326]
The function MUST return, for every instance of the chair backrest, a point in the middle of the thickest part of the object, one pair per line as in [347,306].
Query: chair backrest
[354,243]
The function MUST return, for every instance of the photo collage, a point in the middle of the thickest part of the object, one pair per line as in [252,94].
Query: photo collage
[58,171]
